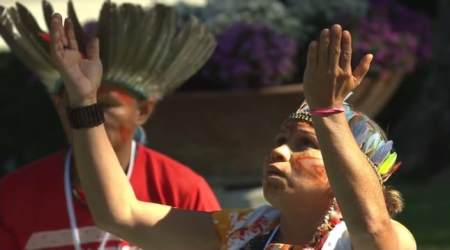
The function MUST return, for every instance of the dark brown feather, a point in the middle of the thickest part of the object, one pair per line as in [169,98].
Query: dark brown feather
[104,32]
[31,26]
[47,8]
[130,18]
[25,49]
[79,32]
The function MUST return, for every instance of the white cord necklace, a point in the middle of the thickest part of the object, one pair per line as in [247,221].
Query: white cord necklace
[69,197]
[274,232]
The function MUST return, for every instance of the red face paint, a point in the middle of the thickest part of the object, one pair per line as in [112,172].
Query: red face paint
[309,164]
[116,92]
[125,133]
[121,113]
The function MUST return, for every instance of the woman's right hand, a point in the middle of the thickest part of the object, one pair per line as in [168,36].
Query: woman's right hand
[81,75]
[329,76]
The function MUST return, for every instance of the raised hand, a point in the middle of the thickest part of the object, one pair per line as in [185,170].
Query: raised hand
[81,75]
[328,76]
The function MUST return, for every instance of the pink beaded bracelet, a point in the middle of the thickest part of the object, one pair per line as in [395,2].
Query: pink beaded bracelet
[326,111]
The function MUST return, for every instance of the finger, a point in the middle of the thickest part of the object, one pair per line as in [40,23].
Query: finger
[323,48]
[56,45]
[61,31]
[312,55]
[70,33]
[334,50]
[93,49]
[345,61]
[363,67]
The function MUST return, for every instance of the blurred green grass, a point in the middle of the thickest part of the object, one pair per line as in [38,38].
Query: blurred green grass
[427,214]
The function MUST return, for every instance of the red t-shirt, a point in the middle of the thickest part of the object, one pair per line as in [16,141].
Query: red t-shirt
[33,211]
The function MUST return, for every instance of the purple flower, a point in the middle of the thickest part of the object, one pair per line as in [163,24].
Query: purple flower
[393,33]
[250,55]
[404,20]
[392,49]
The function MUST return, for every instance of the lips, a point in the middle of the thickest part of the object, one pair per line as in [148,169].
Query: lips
[273,170]
[275,178]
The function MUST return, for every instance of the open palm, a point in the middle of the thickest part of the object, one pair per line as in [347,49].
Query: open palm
[329,76]
[81,75]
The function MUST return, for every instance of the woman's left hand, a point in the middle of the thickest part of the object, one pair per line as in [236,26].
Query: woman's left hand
[328,76]
[81,76]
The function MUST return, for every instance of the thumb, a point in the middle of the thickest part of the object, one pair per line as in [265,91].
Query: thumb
[363,67]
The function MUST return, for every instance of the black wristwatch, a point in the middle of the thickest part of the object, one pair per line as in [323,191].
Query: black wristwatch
[85,117]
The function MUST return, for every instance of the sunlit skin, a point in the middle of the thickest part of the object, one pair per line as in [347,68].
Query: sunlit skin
[295,165]
[301,192]
[123,114]
[295,177]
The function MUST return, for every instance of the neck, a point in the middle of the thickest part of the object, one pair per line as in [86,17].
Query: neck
[123,154]
[297,226]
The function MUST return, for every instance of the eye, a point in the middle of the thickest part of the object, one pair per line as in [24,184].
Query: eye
[304,143]
[280,140]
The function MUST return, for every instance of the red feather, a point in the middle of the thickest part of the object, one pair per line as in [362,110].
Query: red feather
[44,36]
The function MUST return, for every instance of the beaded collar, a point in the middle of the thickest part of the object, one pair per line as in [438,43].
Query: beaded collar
[330,220]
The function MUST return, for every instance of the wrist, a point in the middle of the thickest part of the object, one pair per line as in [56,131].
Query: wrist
[81,102]
[332,120]
[86,116]
[323,104]
[326,111]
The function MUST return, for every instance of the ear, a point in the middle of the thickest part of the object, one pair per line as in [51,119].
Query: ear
[145,109]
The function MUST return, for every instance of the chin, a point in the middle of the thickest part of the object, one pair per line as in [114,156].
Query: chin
[116,139]
[273,191]
[275,182]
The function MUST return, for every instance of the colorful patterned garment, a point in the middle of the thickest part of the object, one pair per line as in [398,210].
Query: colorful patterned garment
[251,229]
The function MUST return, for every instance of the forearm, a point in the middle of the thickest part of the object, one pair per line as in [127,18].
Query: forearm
[116,209]
[353,180]
[109,194]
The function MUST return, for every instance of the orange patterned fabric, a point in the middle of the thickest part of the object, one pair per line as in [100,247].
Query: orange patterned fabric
[250,229]
[237,227]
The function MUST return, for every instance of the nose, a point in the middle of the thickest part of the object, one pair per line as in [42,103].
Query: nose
[280,154]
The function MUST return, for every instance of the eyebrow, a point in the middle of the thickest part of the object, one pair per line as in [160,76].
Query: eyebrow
[285,129]
[306,131]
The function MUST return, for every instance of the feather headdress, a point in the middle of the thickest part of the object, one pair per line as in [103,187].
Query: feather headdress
[149,52]
[370,138]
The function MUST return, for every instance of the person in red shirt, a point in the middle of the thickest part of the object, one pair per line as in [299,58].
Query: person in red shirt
[42,204]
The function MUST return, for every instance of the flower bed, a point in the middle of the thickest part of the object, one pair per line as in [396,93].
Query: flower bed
[263,42]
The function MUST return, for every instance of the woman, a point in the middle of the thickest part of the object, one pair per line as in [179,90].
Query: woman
[300,182]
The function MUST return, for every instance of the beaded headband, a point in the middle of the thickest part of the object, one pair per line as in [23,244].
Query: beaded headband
[368,135]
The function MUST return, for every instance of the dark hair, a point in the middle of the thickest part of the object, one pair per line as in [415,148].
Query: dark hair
[394,200]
